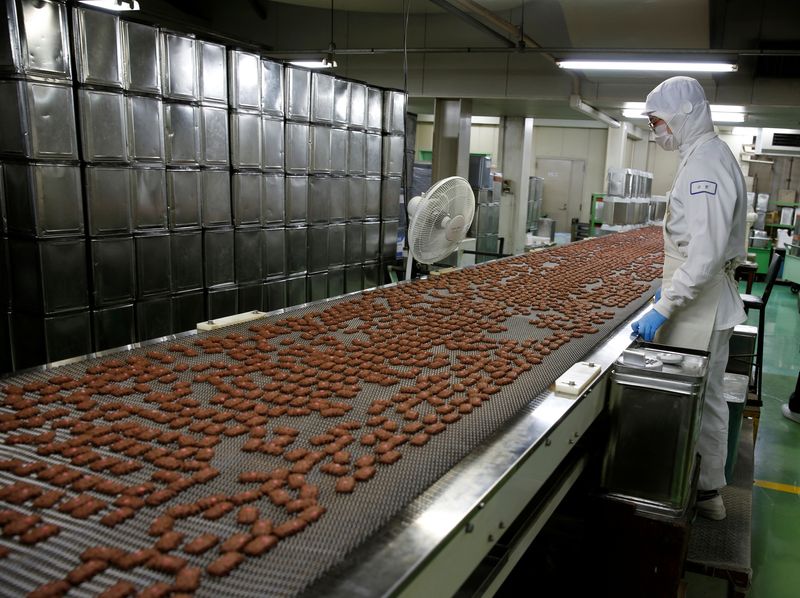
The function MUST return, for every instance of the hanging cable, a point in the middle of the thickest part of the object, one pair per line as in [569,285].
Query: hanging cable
[406,11]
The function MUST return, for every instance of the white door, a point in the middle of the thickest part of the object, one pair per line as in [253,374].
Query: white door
[562,193]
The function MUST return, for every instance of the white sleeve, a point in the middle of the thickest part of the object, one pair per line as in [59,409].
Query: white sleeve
[709,199]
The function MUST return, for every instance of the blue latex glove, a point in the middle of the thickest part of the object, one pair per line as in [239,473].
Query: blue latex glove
[646,327]
[658,295]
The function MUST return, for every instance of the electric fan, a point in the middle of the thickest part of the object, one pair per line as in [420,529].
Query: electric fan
[440,219]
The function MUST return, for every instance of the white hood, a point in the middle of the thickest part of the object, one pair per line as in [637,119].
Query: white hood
[681,103]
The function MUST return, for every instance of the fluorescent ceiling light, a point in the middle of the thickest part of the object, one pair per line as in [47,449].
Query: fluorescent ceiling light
[314,64]
[641,65]
[717,117]
[117,5]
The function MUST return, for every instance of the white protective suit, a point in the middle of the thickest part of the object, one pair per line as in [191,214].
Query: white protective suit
[704,239]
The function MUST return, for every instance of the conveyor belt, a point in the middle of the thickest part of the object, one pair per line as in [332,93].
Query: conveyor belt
[493,299]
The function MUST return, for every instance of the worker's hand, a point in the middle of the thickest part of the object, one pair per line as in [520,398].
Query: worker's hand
[657,295]
[646,327]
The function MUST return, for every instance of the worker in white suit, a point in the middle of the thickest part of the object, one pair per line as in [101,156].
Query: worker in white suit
[704,238]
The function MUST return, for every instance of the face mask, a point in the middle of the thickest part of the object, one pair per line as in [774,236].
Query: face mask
[664,138]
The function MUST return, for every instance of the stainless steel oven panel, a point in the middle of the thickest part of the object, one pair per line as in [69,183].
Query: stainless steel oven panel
[179,70]
[182,124]
[245,80]
[141,58]
[146,128]
[98,54]
[213,73]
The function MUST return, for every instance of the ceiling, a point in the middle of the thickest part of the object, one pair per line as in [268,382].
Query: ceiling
[469,48]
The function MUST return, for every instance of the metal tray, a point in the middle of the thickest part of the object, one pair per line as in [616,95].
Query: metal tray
[274,258]
[154,318]
[320,149]
[183,198]
[108,200]
[250,298]
[358,105]
[321,98]
[149,199]
[146,129]
[356,158]
[298,93]
[113,327]
[393,155]
[245,80]
[272,87]
[319,199]
[213,73]
[394,112]
[247,198]
[317,286]
[38,339]
[296,199]
[222,301]
[213,136]
[273,210]
[317,248]
[339,143]
[296,247]
[389,239]
[113,270]
[356,197]
[246,144]
[182,136]
[38,42]
[186,248]
[187,310]
[354,242]
[296,290]
[153,265]
[341,102]
[336,244]
[98,52]
[372,197]
[215,190]
[372,154]
[274,295]
[273,138]
[179,66]
[338,199]
[218,256]
[374,109]
[297,147]
[104,127]
[390,198]
[372,240]
[248,255]
[142,58]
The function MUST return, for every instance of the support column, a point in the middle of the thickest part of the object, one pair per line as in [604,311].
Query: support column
[517,165]
[451,128]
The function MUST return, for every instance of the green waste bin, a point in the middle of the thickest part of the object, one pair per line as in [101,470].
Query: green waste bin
[735,390]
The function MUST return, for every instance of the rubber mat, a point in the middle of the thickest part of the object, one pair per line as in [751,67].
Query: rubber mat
[350,519]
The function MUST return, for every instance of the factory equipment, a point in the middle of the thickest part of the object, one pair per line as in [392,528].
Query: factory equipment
[440,219]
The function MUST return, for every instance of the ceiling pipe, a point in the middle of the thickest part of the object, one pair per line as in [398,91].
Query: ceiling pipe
[477,24]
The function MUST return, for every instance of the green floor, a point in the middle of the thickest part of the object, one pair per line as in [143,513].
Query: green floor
[776,514]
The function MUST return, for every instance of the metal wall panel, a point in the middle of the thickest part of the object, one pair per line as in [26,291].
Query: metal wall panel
[187,260]
[37,121]
[273,211]
[98,54]
[222,301]
[149,199]
[183,198]
[245,80]
[113,327]
[250,298]
[354,242]
[108,200]
[372,197]
[153,318]
[389,239]
[356,197]
[320,149]
[104,128]
[374,109]
[142,58]
[335,282]
[43,199]
[218,256]
[321,98]
[153,264]
[215,192]
[213,74]
[274,245]
[38,42]
[272,87]
[274,295]
[40,269]
[390,198]
[296,244]
[336,244]
[248,255]
[372,154]
[358,105]
[246,141]
[317,248]
[371,272]
[247,199]
[296,291]
[394,112]
[179,68]
[113,270]
[393,154]
[317,286]
[182,124]
[297,147]
[296,199]
[341,102]
[339,151]
[146,129]
[273,138]
[353,278]
[38,340]
[213,136]
[372,240]
[298,93]
[355,152]
[319,199]
[338,200]
[187,310]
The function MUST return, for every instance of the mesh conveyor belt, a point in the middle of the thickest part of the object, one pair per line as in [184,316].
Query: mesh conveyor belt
[350,519]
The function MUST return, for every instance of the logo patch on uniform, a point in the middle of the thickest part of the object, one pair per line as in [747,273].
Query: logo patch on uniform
[697,187]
